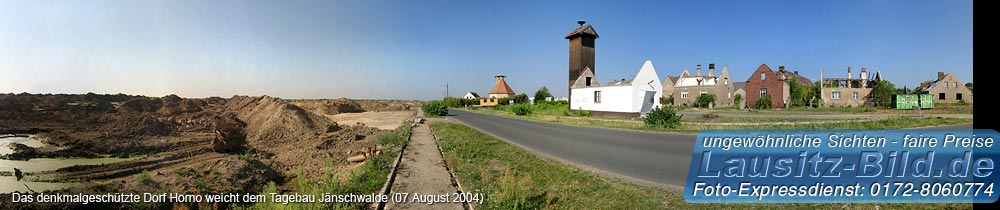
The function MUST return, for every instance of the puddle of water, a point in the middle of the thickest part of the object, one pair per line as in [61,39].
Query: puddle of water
[28,141]
[10,184]
[51,164]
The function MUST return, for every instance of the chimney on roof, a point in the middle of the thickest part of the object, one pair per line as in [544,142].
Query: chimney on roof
[501,77]
[864,73]
[699,70]
[848,72]
[781,68]
[581,22]
[711,69]
[796,72]
[940,75]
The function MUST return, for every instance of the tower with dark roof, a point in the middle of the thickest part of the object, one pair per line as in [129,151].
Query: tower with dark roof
[581,52]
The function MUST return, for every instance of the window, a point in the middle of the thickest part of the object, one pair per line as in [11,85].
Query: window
[763,76]
[725,80]
[684,94]
[729,95]
[597,97]
[941,95]
[958,96]
[945,84]
[763,91]
[956,85]
[702,93]
[835,95]
[589,79]
[855,95]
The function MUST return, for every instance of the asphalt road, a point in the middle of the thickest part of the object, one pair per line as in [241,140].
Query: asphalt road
[647,158]
[658,159]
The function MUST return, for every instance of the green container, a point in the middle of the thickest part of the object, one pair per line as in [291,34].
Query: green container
[926,101]
[905,101]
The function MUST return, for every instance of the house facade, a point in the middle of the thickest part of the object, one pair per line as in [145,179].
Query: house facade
[765,81]
[471,95]
[945,89]
[688,87]
[624,98]
[668,88]
[740,89]
[849,91]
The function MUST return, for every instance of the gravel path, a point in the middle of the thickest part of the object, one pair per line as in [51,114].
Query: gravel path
[422,172]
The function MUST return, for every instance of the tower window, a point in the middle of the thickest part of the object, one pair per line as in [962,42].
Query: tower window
[589,79]
[763,76]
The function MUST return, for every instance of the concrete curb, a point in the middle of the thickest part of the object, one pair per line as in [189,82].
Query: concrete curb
[395,166]
[454,179]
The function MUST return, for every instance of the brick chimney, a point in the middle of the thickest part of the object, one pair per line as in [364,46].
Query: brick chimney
[848,72]
[699,70]
[940,75]
[711,69]
[781,68]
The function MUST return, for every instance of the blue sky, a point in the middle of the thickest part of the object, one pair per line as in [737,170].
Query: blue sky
[410,49]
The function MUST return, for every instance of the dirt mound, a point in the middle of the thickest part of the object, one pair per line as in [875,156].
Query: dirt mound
[172,105]
[127,126]
[272,121]
[167,105]
[386,105]
[330,107]
[21,151]
[230,134]
[142,104]
[349,134]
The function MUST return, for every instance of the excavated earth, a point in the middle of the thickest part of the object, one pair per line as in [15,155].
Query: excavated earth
[205,145]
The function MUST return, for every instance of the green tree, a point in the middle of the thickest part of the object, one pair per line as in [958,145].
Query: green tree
[764,102]
[969,85]
[736,100]
[541,94]
[520,98]
[668,100]
[798,95]
[815,96]
[704,100]
[882,93]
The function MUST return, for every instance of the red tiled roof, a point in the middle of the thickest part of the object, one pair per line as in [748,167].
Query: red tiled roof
[501,88]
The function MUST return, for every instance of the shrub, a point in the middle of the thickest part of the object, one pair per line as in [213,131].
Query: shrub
[520,109]
[583,113]
[704,100]
[668,100]
[764,102]
[662,118]
[736,100]
[435,108]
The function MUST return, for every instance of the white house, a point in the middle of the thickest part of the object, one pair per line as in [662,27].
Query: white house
[621,97]
[471,95]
